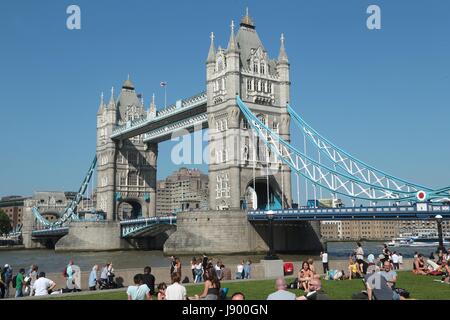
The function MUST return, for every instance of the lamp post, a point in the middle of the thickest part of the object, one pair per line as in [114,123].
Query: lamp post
[439,226]
[271,254]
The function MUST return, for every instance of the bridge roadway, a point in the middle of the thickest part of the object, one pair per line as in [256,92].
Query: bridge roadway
[418,211]
[184,114]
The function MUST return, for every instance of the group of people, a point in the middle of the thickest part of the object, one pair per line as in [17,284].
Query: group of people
[433,266]
[144,285]
[26,283]
[35,283]
[358,266]
[200,265]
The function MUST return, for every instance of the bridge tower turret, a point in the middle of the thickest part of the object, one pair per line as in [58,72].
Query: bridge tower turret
[126,170]
[238,161]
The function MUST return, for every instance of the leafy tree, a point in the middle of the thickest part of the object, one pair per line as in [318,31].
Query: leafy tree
[5,223]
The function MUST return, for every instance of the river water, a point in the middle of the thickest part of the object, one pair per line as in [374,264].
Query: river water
[51,261]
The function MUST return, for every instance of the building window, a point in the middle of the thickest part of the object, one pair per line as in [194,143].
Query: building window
[132,179]
[262,118]
[223,186]
[244,123]
[123,179]
[255,66]
[133,158]
[249,84]
[263,68]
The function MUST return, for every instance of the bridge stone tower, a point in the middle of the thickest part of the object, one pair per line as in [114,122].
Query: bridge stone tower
[126,170]
[238,172]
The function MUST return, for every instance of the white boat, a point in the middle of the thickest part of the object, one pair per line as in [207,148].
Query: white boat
[417,241]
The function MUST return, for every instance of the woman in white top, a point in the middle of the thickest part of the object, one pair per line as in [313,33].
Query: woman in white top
[239,270]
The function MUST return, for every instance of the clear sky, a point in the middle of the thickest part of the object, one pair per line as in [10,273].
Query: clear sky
[382,95]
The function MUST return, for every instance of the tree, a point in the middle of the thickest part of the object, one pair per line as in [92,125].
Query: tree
[5,223]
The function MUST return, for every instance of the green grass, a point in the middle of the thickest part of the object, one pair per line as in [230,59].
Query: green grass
[420,287]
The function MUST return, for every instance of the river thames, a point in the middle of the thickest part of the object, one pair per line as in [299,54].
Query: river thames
[52,261]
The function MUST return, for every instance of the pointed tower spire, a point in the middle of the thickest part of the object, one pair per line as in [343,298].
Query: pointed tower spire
[232,45]
[152,109]
[212,50]
[282,57]
[112,103]
[247,21]
[101,108]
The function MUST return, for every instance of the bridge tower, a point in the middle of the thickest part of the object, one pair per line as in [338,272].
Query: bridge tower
[242,171]
[126,170]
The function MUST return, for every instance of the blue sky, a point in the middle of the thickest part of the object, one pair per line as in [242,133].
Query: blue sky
[381,95]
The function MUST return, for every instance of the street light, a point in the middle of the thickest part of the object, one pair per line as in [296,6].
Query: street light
[271,254]
[439,225]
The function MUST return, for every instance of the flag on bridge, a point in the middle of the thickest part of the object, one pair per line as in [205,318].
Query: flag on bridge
[163,84]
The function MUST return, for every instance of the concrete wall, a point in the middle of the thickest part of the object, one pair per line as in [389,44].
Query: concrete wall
[230,232]
[214,232]
[92,236]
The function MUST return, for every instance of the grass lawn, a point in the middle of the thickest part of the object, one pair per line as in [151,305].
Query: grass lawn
[420,287]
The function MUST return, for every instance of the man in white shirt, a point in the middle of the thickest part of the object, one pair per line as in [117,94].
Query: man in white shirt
[42,285]
[324,256]
[176,291]
[395,261]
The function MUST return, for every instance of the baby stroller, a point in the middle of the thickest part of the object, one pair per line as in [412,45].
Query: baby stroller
[108,283]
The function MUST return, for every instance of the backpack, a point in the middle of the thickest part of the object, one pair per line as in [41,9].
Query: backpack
[14,279]
[402,293]
[64,273]
[294,284]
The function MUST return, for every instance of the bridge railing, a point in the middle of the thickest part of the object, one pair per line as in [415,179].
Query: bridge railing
[182,124]
[147,220]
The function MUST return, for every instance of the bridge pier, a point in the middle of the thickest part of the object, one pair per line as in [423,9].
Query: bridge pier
[27,228]
[93,236]
[226,232]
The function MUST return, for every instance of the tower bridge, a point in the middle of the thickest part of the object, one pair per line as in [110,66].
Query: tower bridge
[253,161]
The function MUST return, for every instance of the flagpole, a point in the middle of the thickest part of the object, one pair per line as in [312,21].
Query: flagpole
[165,96]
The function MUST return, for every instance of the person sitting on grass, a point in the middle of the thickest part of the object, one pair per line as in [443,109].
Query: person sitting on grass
[311,265]
[314,286]
[304,276]
[282,293]
[419,265]
[162,291]
[212,287]
[139,291]
[378,288]
[354,271]
[389,274]
[445,271]
[43,286]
